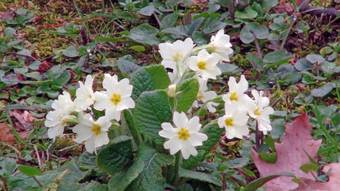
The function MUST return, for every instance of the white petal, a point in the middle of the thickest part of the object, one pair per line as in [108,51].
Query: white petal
[180,119]
[102,139]
[109,82]
[243,84]
[194,124]
[90,145]
[102,101]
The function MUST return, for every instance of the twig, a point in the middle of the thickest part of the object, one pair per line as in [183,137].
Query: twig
[157,19]
[289,29]
[38,156]
[3,183]
[258,47]
[37,181]
[13,148]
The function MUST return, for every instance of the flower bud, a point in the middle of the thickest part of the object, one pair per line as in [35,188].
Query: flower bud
[172,90]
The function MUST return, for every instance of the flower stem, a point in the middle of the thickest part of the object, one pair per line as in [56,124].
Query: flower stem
[133,130]
[258,137]
[175,169]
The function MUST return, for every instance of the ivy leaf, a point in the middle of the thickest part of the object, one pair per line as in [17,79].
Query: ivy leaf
[152,109]
[127,64]
[186,94]
[247,13]
[323,90]
[149,78]
[71,52]
[116,156]
[213,132]
[151,177]
[144,34]
[184,173]
[276,58]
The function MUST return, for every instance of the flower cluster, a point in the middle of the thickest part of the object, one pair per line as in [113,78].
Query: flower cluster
[183,133]
[182,56]
[115,98]
[239,106]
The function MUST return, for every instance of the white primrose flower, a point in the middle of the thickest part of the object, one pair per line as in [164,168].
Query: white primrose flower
[174,56]
[84,94]
[60,117]
[236,95]
[220,44]
[260,110]
[184,136]
[93,133]
[205,64]
[235,122]
[116,98]
[204,96]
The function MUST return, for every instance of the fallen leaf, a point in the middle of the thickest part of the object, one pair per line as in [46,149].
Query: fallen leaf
[5,134]
[24,120]
[333,184]
[294,150]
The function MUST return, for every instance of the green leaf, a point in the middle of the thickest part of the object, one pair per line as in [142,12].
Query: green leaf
[152,109]
[116,156]
[260,31]
[246,36]
[144,174]
[186,94]
[309,167]
[276,58]
[315,58]
[127,64]
[323,90]
[71,52]
[213,132]
[184,173]
[144,34]
[169,20]
[29,170]
[120,181]
[268,4]
[254,185]
[247,13]
[149,78]
[151,177]
[268,157]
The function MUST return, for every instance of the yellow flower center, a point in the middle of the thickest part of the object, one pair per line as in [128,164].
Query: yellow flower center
[178,57]
[229,122]
[183,134]
[233,96]
[200,96]
[96,129]
[202,65]
[116,99]
[257,111]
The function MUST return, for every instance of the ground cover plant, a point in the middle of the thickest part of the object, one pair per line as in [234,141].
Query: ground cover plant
[169,95]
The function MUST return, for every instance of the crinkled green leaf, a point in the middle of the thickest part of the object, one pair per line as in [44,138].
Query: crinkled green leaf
[115,156]
[204,177]
[186,94]
[149,78]
[152,109]
[151,177]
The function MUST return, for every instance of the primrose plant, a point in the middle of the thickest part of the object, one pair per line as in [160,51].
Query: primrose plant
[157,107]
